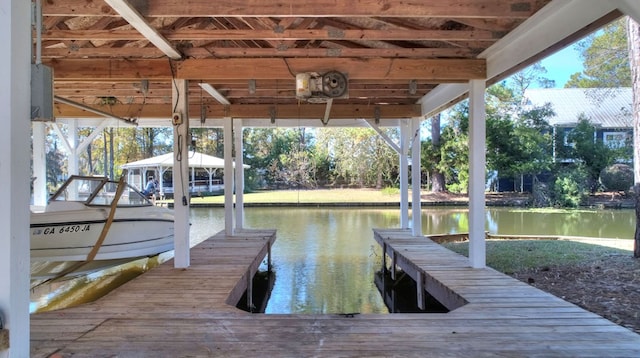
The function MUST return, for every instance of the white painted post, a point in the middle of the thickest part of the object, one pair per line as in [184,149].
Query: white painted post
[404,174]
[416,201]
[73,168]
[228,176]
[239,172]
[477,169]
[39,164]
[181,140]
[15,79]
[192,179]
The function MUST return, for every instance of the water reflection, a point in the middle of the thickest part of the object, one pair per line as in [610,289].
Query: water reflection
[325,259]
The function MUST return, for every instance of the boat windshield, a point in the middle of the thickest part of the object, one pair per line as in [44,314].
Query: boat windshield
[97,191]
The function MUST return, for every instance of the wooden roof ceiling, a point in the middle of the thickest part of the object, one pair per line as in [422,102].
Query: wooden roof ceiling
[393,52]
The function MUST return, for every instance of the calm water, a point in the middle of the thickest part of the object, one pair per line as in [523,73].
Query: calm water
[325,258]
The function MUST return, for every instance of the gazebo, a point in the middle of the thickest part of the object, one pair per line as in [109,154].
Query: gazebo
[202,168]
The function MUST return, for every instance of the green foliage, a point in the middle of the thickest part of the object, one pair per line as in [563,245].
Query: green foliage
[571,186]
[359,155]
[518,142]
[592,153]
[55,167]
[617,177]
[271,152]
[454,150]
[606,59]
[298,169]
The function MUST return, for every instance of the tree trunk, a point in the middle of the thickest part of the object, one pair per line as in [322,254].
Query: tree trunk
[105,153]
[437,178]
[111,155]
[90,159]
[633,38]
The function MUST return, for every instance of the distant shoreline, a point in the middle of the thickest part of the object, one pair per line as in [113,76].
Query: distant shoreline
[374,198]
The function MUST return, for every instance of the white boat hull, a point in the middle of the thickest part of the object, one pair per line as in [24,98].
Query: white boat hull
[54,237]
[65,233]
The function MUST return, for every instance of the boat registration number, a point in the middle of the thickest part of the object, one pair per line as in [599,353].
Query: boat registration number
[62,229]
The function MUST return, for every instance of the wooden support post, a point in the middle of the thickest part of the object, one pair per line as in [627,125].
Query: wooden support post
[384,258]
[393,265]
[249,291]
[420,290]
[269,256]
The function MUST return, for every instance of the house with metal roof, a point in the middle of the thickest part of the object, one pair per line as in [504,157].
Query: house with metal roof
[608,109]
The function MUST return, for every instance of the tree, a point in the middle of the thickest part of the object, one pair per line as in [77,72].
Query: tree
[606,59]
[454,150]
[437,177]
[633,31]
[530,75]
[431,156]
[266,150]
[595,155]
[361,157]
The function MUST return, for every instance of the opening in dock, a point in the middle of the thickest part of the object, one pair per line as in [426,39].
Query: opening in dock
[400,295]
[261,291]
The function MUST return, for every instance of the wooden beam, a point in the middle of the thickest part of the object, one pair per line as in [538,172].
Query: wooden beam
[440,70]
[274,35]
[323,8]
[306,110]
[225,52]
[110,69]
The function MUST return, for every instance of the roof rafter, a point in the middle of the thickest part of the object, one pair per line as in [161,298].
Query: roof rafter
[136,20]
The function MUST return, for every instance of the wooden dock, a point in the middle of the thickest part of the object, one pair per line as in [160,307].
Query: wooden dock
[170,312]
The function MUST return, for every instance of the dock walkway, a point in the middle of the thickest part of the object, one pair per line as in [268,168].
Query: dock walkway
[170,312]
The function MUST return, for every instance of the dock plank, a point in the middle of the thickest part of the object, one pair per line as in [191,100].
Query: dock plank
[170,312]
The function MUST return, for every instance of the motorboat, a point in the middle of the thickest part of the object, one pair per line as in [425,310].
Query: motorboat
[94,222]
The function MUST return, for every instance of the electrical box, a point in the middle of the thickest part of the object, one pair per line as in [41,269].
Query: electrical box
[41,93]
[176,119]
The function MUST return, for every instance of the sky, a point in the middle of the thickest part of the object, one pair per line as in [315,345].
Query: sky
[561,65]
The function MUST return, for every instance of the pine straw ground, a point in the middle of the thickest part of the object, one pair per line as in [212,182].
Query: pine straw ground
[609,286]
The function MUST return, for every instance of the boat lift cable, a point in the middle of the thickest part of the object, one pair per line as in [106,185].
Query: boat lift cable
[107,225]
[103,235]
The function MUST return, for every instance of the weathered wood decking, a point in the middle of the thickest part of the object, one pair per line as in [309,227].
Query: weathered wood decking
[170,312]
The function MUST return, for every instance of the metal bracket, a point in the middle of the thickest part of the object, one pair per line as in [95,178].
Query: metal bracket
[413,87]
[272,114]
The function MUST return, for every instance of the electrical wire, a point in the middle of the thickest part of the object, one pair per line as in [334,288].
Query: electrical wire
[180,136]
